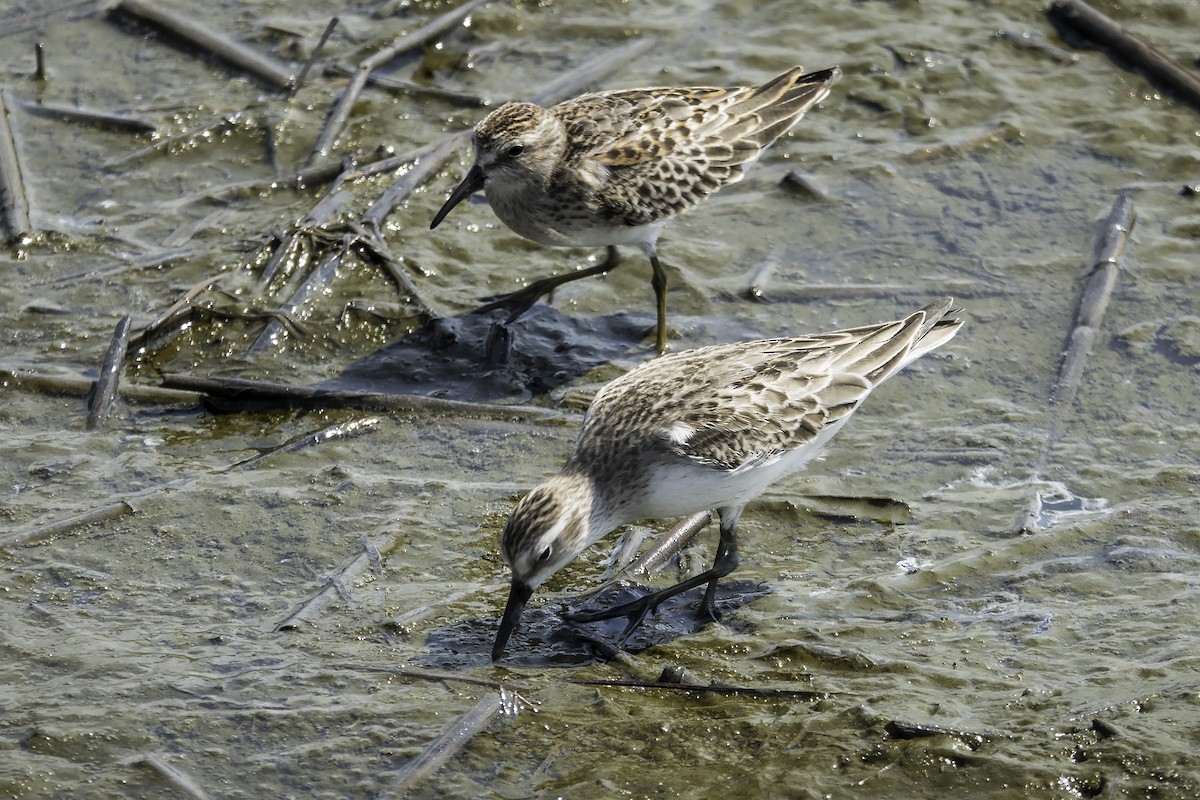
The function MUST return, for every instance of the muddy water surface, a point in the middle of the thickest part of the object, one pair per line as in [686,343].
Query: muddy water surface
[904,647]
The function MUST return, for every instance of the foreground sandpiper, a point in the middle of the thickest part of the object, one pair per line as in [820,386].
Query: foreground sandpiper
[612,168]
[707,428]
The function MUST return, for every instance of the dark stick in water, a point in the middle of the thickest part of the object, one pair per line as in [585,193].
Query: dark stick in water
[1159,69]
[203,37]
[12,181]
[104,394]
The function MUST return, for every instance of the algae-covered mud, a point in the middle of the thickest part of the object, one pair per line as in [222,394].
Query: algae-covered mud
[989,587]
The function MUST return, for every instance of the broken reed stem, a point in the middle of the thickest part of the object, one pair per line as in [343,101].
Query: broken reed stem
[313,56]
[51,529]
[104,394]
[96,118]
[181,782]
[320,277]
[1102,277]
[279,395]
[78,385]
[125,505]
[338,116]
[453,739]
[15,205]
[571,83]
[335,587]
[223,47]
[284,247]
[424,168]
[667,546]
[213,126]
[745,691]
[418,38]
[181,307]
[1159,69]
[39,58]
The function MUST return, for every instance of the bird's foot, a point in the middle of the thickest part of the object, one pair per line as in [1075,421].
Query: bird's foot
[634,611]
[516,303]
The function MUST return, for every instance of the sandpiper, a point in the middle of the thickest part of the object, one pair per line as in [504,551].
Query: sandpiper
[612,168]
[707,428]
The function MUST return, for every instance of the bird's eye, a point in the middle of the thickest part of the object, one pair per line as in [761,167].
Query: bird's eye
[545,555]
[515,150]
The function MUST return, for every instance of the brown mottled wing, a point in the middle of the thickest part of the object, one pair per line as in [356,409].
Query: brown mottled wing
[733,405]
[656,165]
[736,406]
[667,149]
[780,404]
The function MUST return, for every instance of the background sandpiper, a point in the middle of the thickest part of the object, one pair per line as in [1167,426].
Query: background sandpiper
[612,168]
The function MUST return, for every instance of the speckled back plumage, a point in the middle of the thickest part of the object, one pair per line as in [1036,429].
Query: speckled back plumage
[650,153]
[733,406]
[667,149]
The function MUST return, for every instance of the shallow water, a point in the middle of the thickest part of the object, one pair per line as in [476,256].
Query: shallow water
[1062,663]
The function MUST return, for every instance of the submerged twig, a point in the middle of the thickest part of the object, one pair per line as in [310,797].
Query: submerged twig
[126,505]
[903,729]
[317,279]
[32,535]
[1102,276]
[571,83]
[424,168]
[12,180]
[97,118]
[181,307]
[433,675]
[218,44]
[339,430]
[333,589]
[284,396]
[712,688]
[76,384]
[212,126]
[173,776]
[104,395]
[390,84]
[418,38]
[375,248]
[313,56]
[1035,41]
[1158,68]
[453,739]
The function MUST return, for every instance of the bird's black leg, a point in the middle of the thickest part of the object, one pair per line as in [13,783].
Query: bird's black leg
[520,301]
[636,610]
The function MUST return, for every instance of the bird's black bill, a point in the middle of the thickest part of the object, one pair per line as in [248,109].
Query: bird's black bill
[472,183]
[518,596]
